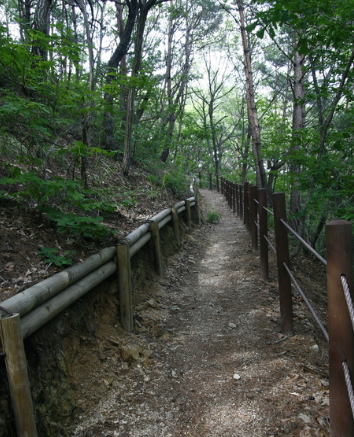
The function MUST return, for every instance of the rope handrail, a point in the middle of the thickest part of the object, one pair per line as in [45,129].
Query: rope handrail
[304,242]
[269,211]
[348,298]
[339,253]
[310,307]
[348,383]
[270,244]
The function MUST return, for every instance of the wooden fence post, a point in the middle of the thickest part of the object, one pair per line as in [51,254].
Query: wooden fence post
[155,237]
[125,287]
[237,200]
[16,366]
[222,185]
[175,225]
[197,206]
[339,262]
[188,214]
[245,204]
[253,216]
[217,184]
[233,186]
[241,200]
[263,232]
[250,200]
[210,181]
[282,248]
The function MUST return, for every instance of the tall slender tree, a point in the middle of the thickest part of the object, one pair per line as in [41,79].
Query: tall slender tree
[113,63]
[251,103]
[144,8]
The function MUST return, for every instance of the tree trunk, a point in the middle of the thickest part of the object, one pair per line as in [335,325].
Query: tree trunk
[100,46]
[84,157]
[41,24]
[86,122]
[24,12]
[320,226]
[251,105]
[113,63]
[298,124]
[76,40]
[166,151]
[123,96]
[138,53]
[178,100]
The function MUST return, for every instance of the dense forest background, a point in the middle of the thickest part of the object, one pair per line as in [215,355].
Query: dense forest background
[259,91]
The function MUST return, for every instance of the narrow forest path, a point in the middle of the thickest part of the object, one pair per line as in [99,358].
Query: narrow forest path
[219,367]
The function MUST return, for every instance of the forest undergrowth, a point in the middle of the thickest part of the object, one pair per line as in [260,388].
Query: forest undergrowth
[36,243]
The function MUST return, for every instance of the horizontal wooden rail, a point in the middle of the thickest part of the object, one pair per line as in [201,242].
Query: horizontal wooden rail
[40,303]
[29,299]
[52,307]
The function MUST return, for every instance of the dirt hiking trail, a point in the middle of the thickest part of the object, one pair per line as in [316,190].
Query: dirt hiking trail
[219,365]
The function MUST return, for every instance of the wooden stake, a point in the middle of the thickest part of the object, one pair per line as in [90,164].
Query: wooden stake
[233,197]
[245,204]
[253,216]
[241,198]
[237,187]
[155,233]
[188,214]
[16,366]
[339,262]
[175,225]
[282,247]
[197,204]
[125,287]
[263,232]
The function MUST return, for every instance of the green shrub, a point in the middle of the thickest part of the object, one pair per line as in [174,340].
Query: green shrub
[50,255]
[90,227]
[54,196]
[214,216]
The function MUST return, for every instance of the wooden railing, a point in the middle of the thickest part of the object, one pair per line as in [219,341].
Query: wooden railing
[339,263]
[24,313]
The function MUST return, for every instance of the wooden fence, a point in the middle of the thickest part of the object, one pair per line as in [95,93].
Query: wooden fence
[27,311]
[250,204]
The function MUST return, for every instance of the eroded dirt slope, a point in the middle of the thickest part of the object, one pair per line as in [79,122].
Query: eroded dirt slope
[206,357]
